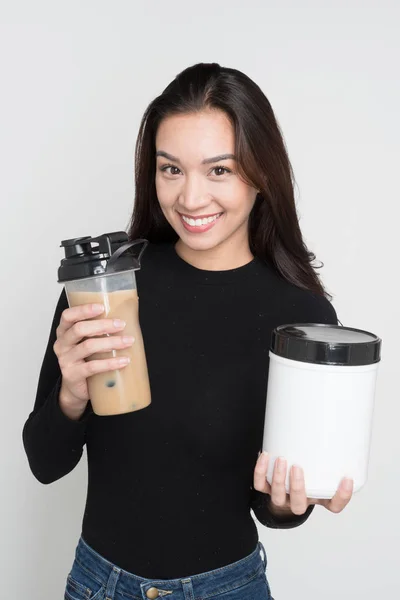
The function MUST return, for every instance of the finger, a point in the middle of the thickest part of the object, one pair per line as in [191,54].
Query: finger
[298,496]
[99,366]
[73,314]
[92,328]
[342,497]
[260,474]
[75,374]
[98,348]
[278,489]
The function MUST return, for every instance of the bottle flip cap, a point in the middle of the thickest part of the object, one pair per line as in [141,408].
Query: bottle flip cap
[325,344]
[110,253]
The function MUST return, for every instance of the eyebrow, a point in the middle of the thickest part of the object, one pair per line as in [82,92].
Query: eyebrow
[206,161]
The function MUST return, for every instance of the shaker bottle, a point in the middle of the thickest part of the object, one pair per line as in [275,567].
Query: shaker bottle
[100,270]
[320,399]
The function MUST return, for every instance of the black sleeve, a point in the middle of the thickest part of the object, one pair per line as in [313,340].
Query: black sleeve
[306,308]
[260,505]
[313,308]
[53,442]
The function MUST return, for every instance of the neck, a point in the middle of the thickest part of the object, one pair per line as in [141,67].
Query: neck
[220,258]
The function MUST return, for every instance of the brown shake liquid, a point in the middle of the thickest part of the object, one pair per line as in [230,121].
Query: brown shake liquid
[126,389]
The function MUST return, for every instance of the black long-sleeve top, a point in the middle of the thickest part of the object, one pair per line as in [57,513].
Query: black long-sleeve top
[170,486]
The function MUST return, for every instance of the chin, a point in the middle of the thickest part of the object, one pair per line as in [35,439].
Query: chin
[200,245]
[203,242]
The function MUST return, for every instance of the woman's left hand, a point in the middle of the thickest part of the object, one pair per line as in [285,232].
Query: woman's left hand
[296,501]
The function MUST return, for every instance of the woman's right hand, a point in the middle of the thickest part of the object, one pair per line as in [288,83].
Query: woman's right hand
[75,342]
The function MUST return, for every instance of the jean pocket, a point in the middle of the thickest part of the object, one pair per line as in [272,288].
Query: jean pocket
[255,587]
[83,587]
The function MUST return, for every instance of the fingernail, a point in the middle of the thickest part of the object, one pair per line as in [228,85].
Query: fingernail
[119,323]
[281,465]
[98,307]
[124,360]
[263,459]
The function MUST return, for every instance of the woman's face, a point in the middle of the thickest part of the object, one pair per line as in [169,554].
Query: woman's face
[202,196]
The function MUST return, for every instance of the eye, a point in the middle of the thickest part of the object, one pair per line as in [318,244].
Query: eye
[220,168]
[165,167]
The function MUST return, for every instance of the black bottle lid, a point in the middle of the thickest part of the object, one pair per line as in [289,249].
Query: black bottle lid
[94,256]
[323,344]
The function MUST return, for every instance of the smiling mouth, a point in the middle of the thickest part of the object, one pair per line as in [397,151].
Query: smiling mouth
[200,222]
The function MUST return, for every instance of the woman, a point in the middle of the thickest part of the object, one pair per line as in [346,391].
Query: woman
[171,486]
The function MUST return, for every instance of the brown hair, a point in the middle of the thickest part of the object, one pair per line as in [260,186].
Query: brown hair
[274,231]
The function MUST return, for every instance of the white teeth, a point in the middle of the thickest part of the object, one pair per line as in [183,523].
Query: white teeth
[200,222]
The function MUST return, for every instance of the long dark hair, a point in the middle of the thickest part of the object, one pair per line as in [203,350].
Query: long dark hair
[263,162]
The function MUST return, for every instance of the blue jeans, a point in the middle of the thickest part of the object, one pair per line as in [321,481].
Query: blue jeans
[92,577]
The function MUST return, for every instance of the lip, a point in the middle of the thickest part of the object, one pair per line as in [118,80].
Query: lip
[200,228]
[199,216]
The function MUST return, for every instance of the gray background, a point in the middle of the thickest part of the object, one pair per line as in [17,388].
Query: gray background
[75,80]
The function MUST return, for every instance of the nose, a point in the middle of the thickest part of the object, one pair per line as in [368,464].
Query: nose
[193,196]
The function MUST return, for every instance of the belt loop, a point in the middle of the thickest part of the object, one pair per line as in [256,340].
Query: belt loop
[112,583]
[187,589]
[264,557]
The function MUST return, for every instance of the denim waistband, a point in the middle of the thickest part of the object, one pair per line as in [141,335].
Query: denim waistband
[201,585]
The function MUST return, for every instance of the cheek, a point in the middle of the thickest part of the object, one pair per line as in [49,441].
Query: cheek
[239,200]
[165,194]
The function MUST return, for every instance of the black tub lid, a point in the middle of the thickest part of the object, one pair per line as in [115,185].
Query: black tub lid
[323,344]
